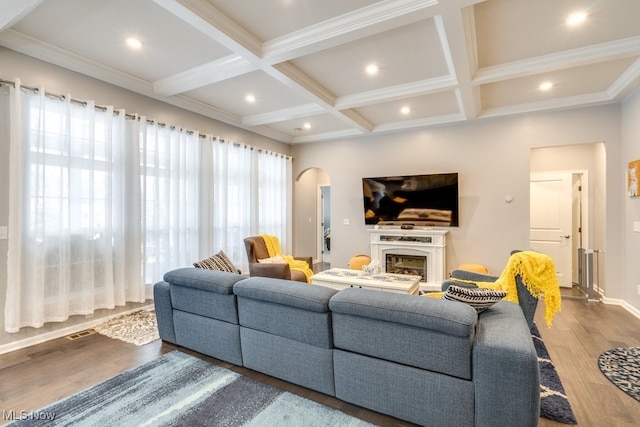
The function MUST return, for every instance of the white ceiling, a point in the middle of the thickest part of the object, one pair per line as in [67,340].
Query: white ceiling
[304,60]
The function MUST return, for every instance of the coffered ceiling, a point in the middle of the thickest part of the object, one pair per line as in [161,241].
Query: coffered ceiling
[304,61]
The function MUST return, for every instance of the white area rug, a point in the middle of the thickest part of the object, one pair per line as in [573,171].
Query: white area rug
[137,328]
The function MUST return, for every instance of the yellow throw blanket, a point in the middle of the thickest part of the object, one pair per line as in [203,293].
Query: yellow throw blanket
[273,247]
[538,274]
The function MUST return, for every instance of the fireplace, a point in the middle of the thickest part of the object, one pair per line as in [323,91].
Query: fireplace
[419,251]
[407,264]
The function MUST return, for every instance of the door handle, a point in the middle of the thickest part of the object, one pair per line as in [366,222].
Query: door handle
[566,236]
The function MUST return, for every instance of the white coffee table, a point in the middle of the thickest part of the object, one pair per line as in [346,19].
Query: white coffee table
[340,278]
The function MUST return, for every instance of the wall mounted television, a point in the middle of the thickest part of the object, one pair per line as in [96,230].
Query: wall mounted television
[424,200]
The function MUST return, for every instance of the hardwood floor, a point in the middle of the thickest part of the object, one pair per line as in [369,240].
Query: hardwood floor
[36,376]
[580,333]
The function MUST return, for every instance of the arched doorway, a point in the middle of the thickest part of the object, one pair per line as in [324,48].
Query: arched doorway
[313,214]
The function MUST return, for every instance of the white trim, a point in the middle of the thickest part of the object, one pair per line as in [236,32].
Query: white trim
[622,303]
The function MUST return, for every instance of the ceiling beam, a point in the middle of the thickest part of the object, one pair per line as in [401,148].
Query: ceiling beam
[210,21]
[456,28]
[560,60]
[382,16]
[422,87]
[297,112]
[203,75]
[213,23]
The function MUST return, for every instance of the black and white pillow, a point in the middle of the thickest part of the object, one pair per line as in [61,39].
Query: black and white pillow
[219,262]
[478,298]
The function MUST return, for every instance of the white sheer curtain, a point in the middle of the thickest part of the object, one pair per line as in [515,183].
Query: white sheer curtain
[170,190]
[226,198]
[245,192]
[274,196]
[67,206]
[101,206]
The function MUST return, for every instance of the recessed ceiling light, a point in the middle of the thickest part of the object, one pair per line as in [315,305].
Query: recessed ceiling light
[250,98]
[405,110]
[576,18]
[372,69]
[307,125]
[545,86]
[134,42]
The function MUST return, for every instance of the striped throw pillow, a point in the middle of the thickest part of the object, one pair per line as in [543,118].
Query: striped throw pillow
[478,298]
[219,262]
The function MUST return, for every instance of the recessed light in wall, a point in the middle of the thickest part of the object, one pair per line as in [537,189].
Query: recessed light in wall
[250,98]
[545,86]
[372,69]
[307,125]
[576,18]
[405,110]
[134,43]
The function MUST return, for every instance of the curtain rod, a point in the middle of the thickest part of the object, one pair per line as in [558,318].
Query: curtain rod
[83,103]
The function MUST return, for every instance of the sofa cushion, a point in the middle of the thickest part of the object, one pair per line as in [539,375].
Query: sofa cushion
[286,292]
[293,310]
[206,293]
[219,261]
[478,298]
[291,360]
[423,397]
[432,334]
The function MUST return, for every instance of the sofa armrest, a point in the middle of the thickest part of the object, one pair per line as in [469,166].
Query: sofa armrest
[164,311]
[505,369]
[276,271]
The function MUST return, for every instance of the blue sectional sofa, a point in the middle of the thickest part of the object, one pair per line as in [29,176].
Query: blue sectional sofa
[428,361]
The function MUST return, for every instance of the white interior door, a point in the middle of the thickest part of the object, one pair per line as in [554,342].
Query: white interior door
[551,220]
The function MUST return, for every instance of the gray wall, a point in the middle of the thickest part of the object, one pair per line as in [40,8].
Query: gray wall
[631,206]
[492,158]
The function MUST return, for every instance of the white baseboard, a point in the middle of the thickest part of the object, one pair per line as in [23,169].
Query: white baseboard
[39,339]
[622,303]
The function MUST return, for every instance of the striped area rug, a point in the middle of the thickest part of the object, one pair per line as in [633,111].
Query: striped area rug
[181,390]
[554,404]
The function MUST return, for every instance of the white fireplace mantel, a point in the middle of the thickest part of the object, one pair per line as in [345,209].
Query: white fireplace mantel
[428,242]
